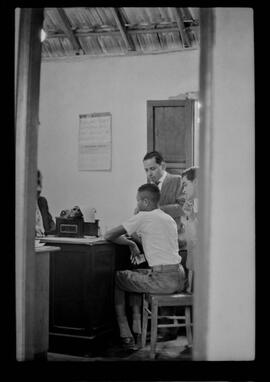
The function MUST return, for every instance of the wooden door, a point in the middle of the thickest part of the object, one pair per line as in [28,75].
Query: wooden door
[170,130]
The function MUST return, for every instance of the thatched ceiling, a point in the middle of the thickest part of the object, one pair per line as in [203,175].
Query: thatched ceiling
[118,31]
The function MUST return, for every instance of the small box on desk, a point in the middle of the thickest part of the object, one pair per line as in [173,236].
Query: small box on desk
[69,227]
[75,228]
[91,229]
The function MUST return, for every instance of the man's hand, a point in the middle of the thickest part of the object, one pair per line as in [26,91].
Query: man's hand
[134,252]
[136,257]
[39,232]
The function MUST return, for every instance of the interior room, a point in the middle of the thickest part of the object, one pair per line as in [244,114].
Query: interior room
[96,91]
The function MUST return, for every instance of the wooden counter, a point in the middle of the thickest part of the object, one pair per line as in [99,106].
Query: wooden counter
[82,292]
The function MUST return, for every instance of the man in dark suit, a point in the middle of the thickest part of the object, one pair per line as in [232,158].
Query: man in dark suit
[171,200]
[46,225]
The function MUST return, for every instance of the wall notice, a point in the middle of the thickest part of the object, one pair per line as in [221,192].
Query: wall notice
[95,142]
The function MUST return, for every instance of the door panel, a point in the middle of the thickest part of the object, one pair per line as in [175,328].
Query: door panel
[170,131]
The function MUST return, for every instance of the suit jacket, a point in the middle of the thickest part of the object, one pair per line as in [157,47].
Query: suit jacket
[48,223]
[170,198]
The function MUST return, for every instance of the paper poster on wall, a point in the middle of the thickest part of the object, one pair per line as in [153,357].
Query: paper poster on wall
[95,142]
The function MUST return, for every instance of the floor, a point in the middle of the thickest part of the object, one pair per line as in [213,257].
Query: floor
[169,350]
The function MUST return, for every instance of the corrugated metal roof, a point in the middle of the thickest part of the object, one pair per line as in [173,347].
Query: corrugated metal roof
[118,31]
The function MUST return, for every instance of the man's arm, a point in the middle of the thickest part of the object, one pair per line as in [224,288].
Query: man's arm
[117,236]
[174,210]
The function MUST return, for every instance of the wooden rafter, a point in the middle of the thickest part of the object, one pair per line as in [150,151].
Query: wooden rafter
[68,30]
[116,33]
[119,21]
[190,13]
[181,27]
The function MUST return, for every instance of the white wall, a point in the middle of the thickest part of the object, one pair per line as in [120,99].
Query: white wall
[121,86]
[231,333]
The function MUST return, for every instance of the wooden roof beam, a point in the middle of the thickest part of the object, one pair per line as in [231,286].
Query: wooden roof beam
[181,27]
[190,12]
[116,32]
[120,23]
[68,31]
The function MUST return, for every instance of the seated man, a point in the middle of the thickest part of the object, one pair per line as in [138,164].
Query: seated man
[158,232]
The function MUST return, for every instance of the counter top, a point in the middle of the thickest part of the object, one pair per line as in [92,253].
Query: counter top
[88,240]
[47,249]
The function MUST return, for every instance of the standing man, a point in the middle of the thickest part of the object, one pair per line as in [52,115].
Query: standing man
[171,200]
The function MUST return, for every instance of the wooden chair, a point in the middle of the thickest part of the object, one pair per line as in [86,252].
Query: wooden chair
[151,303]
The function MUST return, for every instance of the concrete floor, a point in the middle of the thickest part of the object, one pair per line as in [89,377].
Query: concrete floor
[169,350]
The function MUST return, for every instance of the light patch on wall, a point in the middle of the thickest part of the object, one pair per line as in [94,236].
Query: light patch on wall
[43,35]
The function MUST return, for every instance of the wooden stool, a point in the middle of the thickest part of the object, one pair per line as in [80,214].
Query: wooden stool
[151,303]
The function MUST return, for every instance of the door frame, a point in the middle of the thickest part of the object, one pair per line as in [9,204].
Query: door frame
[201,262]
[26,125]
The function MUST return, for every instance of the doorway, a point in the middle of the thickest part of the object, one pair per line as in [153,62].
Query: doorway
[26,177]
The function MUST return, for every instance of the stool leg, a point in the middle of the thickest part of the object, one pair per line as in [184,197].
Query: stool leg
[154,318]
[144,319]
[188,325]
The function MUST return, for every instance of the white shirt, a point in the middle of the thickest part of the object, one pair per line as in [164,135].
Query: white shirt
[158,232]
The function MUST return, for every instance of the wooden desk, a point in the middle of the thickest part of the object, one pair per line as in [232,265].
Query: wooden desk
[41,300]
[82,292]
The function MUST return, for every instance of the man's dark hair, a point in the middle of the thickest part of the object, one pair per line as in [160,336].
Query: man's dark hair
[191,173]
[39,178]
[151,190]
[154,154]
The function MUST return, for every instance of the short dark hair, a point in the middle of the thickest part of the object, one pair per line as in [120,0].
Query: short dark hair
[152,191]
[191,173]
[39,178]
[154,154]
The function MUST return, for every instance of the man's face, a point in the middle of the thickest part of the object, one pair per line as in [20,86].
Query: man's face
[188,188]
[140,202]
[153,170]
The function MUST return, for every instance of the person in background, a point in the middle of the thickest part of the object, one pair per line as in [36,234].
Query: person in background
[159,237]
[190,208]
[44,221]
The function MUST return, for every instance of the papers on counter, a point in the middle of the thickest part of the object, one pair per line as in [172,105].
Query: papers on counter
[38,243]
